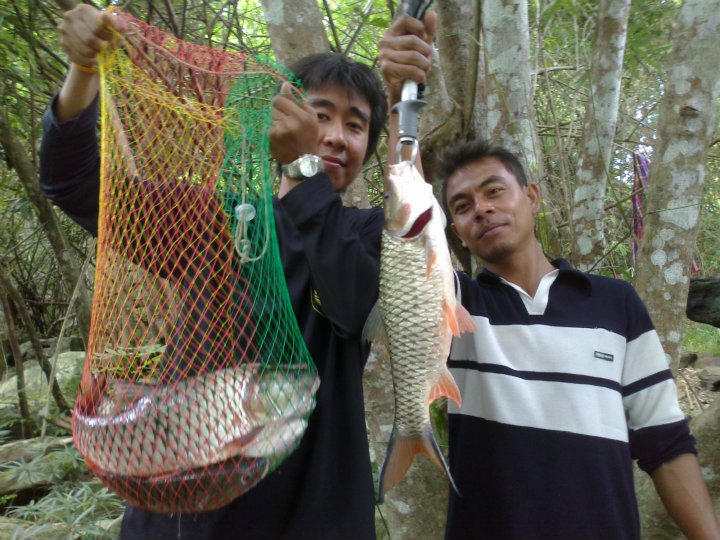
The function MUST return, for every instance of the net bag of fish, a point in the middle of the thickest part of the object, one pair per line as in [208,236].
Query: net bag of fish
[197,382]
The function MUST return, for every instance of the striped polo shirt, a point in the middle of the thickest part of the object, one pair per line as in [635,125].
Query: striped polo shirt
[560,392]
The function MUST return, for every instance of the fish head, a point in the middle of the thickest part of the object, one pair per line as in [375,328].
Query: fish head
[408,201]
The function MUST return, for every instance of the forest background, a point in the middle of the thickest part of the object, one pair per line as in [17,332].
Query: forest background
[581,89]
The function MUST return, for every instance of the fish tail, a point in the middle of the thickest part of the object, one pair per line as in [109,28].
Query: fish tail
[401,453]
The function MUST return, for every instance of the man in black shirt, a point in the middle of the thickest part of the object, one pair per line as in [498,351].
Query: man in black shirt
[330,257]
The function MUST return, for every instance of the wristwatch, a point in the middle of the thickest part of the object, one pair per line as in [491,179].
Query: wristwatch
[303,167]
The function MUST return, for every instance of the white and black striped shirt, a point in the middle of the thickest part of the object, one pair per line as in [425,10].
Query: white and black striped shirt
[560,392]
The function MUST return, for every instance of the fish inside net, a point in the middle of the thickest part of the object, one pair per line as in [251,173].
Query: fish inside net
[197,382]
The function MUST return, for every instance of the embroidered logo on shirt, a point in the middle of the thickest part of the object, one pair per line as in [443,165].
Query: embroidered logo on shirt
[315,302]
[604,356]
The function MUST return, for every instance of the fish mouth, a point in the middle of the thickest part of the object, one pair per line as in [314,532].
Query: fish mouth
[419,224]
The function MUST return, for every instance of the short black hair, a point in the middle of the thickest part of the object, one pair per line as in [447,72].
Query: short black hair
[468,151]
[335,69]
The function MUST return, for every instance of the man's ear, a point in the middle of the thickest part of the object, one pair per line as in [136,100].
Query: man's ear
[533,194]
[454,230]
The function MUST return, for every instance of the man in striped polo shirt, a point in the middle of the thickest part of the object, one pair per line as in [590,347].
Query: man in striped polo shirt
[563,384]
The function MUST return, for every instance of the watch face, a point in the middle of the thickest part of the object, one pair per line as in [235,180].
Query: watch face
[309,166]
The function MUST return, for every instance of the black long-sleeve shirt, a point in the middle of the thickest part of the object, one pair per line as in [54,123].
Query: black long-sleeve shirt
[330,256]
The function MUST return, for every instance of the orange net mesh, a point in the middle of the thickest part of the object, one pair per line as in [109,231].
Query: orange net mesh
[197,382]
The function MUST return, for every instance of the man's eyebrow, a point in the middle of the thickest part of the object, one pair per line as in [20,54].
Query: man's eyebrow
[323,102]
[362,115]
[457,197]
[488,180]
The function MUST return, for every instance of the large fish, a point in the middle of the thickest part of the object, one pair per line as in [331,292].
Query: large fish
[144,431]
[417,317]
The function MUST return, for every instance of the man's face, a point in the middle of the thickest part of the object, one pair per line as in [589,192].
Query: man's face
[344,120]
[491,212]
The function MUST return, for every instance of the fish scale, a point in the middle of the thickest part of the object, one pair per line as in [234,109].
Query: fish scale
[196,422]
[416,316]
[411,301]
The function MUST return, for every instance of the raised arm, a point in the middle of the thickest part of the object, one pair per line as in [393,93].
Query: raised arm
[84,32]
[69,158]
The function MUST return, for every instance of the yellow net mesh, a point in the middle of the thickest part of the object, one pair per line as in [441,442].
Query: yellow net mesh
[197,382]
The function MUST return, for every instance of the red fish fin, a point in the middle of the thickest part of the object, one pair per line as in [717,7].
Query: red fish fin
[92,388]
[458,318]
[446,387]
[432,450]
[450,316]
[464,319]
[401,453]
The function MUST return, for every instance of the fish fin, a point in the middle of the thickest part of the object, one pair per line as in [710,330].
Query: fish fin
[451,317]
[464,319]
[446,387]
[237,446]
[374,329]
[92,388]
[458,318]
[401,453]
[431,256]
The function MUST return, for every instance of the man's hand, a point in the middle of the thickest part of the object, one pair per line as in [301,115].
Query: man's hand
[85,31]
[294,127]
[405,52]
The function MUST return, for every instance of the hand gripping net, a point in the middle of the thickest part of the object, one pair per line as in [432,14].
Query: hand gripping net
[197,382]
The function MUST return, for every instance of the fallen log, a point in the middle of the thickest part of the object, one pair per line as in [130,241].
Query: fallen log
[703,302]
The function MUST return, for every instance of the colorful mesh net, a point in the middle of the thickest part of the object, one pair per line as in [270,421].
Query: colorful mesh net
[197,382]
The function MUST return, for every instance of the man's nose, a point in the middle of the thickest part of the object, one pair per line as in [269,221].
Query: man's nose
[333,134]
[483,206]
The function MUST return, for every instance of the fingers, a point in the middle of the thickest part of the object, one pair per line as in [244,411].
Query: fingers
[405,52]
[85,31]
[430,21]
[293,127]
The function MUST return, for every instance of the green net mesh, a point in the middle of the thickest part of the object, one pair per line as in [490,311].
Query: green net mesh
[197,382]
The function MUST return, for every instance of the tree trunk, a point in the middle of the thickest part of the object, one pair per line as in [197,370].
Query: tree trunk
[67,261]
[511,116]
[601,110]
[26,423]
[416,507]
[462,72]
[674,192]
[14,298]
[295,28]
